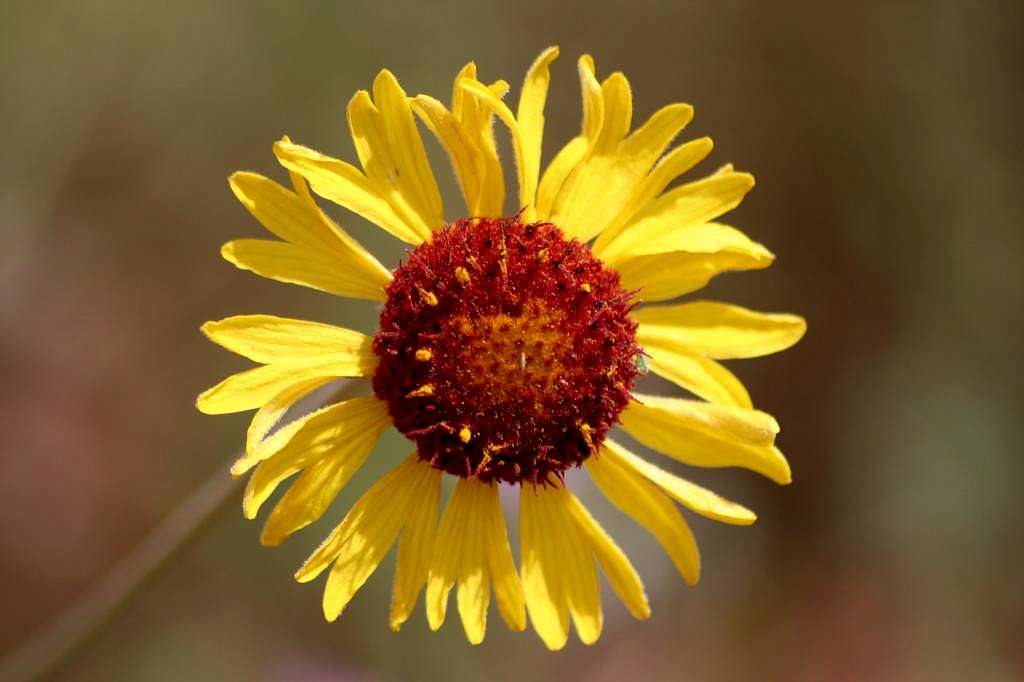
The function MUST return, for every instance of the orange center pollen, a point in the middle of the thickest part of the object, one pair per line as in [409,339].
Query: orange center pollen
[506,351]
[506,359]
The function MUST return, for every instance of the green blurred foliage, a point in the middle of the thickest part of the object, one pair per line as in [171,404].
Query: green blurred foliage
[887,144]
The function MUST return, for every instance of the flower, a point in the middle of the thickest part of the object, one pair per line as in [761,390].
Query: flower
[507,349]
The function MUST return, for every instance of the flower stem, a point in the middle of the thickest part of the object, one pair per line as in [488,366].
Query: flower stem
[47,650]
[44,653]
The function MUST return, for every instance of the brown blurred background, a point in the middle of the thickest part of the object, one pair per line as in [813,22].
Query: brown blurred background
[887,144]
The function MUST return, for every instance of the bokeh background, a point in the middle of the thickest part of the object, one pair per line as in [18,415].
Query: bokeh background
[887,144]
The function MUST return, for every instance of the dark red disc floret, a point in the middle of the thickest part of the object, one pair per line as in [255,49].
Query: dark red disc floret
[506,351]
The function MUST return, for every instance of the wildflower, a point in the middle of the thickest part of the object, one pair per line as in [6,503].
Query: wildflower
[507,349]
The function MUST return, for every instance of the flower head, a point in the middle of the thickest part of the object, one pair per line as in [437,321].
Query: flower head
[507,350]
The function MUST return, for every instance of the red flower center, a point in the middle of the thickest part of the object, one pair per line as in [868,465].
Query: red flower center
[506,351]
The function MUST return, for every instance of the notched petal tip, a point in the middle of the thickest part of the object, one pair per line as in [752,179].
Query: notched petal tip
[209,328]
[237,178]
[743,178]
[284,148]
[359,98]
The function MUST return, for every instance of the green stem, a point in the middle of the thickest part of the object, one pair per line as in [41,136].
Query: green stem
[74,628]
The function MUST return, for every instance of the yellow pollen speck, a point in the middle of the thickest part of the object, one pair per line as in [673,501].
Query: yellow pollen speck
[585,287]
[465,434]
[424,355]
[489,451]
[585,430]
[542,256]
[462,275]
[428,297]
[424,390]
[503,256]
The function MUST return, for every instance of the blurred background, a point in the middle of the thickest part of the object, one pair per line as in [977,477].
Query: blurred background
[887,145]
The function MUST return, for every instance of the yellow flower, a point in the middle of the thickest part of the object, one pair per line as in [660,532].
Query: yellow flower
[507,349]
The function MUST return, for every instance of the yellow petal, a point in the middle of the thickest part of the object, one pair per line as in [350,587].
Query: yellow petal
[649,507]
[618,113]
[281,211]
[682,261]
[316,246]
[300,265]
[688,205]
[255,387]
[696,498]
[675,163]
[345,431]
[448,553]
[392,154]
[556,173]
[268,416]
[604,127]
[578,208]
[346,186]
[616,566]
[645,145]
[415,550]
[593,99]
[490,102]
[722,331]
[575,562]
[604,184]
[739,424]
[299,352]
[307,499]
[704,378]
[508,588]
[365,411]
[530,117]
[375,500]
[542,584]
[368,531]
[465,552]
[474,593]
[266,339]
[573,153]
[707,435]
[468,161]
[476,118]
